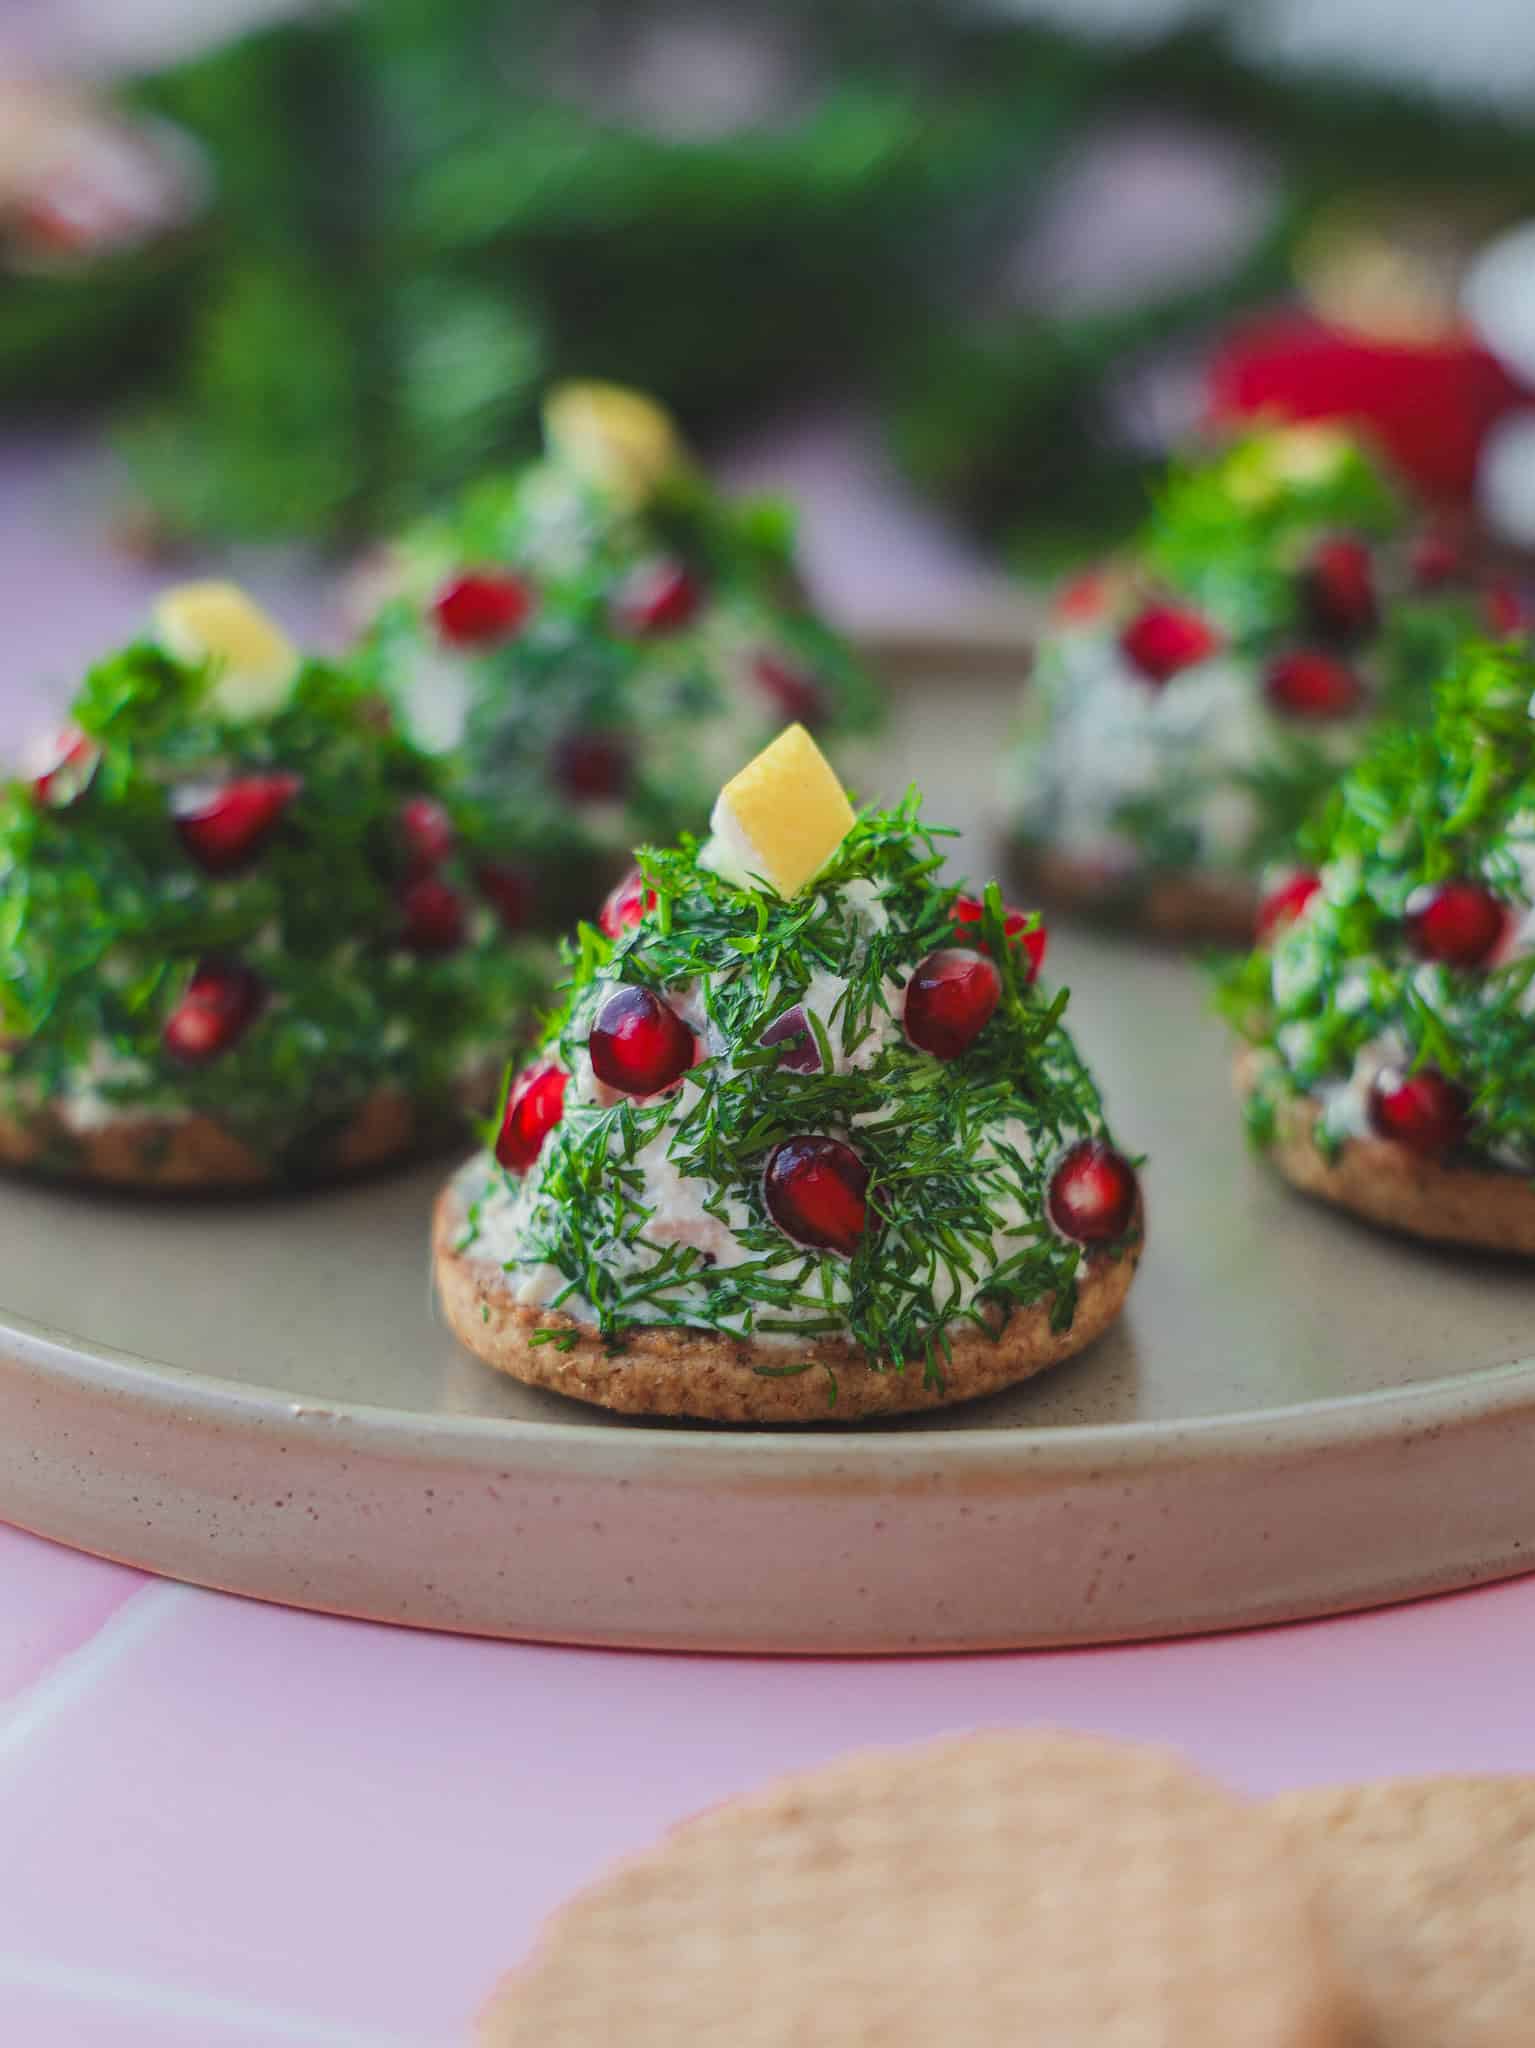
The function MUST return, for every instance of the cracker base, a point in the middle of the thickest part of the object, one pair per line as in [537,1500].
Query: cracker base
[714,1378]
[155,1154]
[1181,909]
[1387,1184]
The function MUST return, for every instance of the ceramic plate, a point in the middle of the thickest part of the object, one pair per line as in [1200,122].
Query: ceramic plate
[1297,1414]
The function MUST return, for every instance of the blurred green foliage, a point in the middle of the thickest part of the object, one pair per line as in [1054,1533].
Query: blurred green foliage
[425,208]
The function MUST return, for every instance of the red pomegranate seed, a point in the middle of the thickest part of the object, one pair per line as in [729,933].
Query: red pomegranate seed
[1093,1193]
[639,1044]
[797,1049]
[626,904]
[591,767]
[481,608]
[1165,638]
[1505,609]
[221,1001]
[224,828]
[509,890]
[1435,559]
[427,831]
[967,914]
[1083,598]
[535,1102]
[1458,922]
[1311,684]
[70,224]
[792,692]
[1283,905]
[432,915]
[658,597]
[74,765]
[950,1000]
[817,1193]
[1422,1111]
[1338,588]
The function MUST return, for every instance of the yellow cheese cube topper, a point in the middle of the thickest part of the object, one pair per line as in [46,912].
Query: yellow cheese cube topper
[1286,458]
[618,439]
[254,663]
[782,818]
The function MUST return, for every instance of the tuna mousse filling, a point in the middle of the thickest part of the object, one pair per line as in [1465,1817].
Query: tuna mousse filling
[806,1141]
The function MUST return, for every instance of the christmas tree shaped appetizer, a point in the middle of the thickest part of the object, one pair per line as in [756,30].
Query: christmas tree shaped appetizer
[595,642]
[240,942]
[1195,700]
[1389,1007]
[805,1141]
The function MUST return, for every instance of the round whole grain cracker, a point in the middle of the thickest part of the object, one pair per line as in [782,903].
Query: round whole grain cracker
[710,1377]
[1183,909]
[150,1153]
[1388,1184]
[1043,1889]
[1429,1891]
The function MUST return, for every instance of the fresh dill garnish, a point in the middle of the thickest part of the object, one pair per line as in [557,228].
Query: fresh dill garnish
[1452,799]
[958,1152]
[793,1372]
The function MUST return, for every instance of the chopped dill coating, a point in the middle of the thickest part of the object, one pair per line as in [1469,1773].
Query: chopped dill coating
[1450,801]
[959,1152]
[1227,531]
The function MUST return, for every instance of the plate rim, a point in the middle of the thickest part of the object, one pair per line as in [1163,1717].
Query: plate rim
[1373,1416]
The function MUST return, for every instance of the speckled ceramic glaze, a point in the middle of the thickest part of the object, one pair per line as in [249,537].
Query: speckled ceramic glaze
[1296,1414]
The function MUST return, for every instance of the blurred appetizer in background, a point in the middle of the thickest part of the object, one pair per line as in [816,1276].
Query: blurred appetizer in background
[1195,699]
[1387,1007]
[590,645]
[806,1140]
[1383,334]
[99,211]
[243,943]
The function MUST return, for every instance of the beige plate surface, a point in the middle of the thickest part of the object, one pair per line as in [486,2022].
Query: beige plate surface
[1297,1414]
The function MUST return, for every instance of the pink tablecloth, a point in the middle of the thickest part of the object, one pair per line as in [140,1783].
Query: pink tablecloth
[232,1826]
[228,1826]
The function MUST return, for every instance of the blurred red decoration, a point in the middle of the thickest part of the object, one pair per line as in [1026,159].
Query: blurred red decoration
[1428,404]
